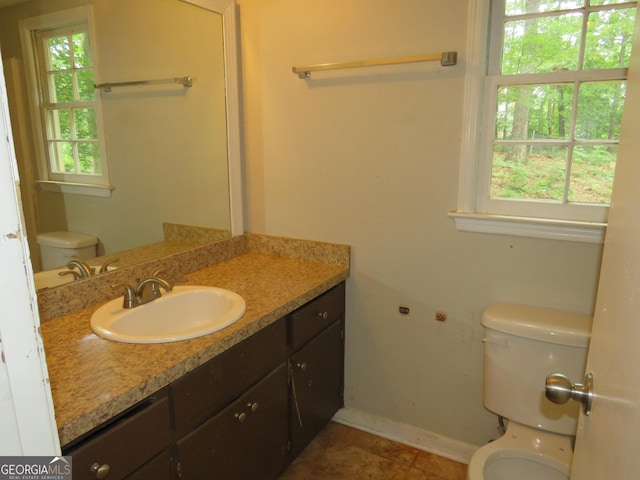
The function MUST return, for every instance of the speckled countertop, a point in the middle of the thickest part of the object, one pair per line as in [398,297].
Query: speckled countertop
[93,379]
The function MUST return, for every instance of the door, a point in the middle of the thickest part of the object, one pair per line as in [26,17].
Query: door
[26,406]
[608,440]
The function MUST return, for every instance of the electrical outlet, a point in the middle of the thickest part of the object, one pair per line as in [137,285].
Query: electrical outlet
[404,310]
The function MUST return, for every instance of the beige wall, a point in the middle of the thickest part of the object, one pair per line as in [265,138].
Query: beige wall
[166,145]
[370,158]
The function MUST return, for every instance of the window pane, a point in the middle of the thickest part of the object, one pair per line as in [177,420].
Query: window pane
[81,50]
[89,155]
[600,110]
[518,7]
[539,176]
[543,44]
[86,91]
[609,36]
[61,157]
[592,171]
[62,87]
[59,53]
[84,120]
[607,2]
[533,111]
[59,127]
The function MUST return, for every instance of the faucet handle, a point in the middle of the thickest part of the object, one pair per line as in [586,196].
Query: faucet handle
[130,299]
[105,265]
[76,275]
[160,271]
[84,269]
[166,284]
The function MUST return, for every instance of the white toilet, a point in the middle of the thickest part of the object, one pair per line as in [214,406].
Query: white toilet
[58,248]
[522,346]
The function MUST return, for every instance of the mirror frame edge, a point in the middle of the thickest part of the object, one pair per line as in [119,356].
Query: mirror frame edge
[228,9]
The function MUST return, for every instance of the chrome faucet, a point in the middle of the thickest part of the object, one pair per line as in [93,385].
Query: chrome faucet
[146,291]
[149,289]
[84,270]
[80,269]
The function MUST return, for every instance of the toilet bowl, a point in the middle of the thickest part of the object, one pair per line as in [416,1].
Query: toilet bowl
[523,453]
[522,345]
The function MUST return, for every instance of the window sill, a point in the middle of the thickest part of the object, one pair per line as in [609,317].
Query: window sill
[585,232]
[76,188]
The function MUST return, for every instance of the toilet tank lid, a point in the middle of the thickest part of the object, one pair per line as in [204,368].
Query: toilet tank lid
[537,323]
[66,239]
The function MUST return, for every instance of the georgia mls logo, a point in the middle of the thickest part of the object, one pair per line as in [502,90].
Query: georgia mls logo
[35,468]
[60,466]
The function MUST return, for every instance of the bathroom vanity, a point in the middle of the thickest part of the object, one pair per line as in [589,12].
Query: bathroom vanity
[240,403]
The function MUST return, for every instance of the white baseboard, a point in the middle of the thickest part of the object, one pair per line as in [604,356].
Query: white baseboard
[407,435]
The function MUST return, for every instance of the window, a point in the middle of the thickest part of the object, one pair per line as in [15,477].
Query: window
[66,107]
[548,106]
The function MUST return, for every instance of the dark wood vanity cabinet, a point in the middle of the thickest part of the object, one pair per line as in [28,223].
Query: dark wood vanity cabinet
[212,386]
[316,360]
[125,444]
[235,408]
[163,466]
[246,441]
[243,415]
[316,386]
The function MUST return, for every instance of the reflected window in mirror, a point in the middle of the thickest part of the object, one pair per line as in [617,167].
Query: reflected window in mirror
[167,172]
[70,137]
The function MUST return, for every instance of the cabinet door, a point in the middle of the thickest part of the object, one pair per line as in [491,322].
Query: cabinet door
[162,467]
[207,389]
[245,441]
[124,446]
[316,386]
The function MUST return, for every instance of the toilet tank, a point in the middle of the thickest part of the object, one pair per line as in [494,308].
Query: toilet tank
[58,248]
[522,345]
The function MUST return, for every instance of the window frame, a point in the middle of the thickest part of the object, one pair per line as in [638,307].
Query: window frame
[475,211]
[97,185]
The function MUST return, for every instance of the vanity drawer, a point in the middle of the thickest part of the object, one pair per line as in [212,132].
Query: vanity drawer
[127,443]
[213,385]
[315,316]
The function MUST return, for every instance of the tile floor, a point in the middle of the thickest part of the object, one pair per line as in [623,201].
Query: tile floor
[343,453]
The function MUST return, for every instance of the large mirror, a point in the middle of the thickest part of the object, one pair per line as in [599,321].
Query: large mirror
[172,151]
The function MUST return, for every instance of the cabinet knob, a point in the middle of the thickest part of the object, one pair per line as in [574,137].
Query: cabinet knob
[241,417]
[101,471]
[323,315]
[302,365]
[253,406]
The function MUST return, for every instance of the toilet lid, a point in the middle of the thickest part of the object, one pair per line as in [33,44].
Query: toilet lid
[66,239]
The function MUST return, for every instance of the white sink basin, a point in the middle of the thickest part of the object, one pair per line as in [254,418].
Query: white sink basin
[184,312]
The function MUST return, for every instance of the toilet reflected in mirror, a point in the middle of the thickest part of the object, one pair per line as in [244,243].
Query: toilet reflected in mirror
[59,248]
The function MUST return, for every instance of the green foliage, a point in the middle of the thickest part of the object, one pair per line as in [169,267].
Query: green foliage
[532,113]
[72,131]
[542,177]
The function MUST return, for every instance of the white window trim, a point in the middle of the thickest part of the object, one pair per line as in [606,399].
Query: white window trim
[56,20]
[466,216]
